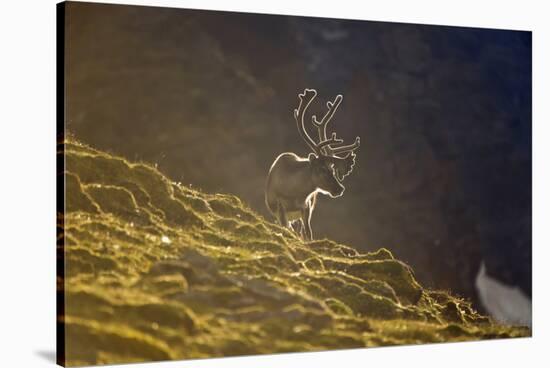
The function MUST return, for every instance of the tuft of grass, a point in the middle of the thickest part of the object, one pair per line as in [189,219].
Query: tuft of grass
[156,270]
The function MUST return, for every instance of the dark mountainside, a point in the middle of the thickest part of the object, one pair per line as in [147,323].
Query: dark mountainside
[156,270]
[443,175]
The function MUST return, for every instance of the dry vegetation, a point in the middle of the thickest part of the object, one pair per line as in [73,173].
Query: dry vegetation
[156,271]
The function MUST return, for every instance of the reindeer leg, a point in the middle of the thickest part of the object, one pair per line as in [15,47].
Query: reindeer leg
[300,228]
[281,215]
[306,217]
[306,224]
[295,226]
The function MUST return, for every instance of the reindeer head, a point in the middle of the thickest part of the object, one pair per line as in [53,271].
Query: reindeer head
[324,176]
[330,161]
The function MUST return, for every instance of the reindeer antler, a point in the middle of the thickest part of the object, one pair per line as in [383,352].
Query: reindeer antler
[325,145]
[322,126]
[349,148]
[322,130]
[305,100]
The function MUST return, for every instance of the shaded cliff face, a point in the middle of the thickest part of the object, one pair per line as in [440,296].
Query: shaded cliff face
[443,175]
[156,270]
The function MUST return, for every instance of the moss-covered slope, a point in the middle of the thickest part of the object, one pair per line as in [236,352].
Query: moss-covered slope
[156,270]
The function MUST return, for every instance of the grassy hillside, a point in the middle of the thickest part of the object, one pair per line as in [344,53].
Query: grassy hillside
[156,270]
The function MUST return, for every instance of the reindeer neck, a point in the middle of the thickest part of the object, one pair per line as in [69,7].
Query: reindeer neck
[309,186]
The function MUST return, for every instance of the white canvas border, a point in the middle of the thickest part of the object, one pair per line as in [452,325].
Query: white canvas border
[28,180]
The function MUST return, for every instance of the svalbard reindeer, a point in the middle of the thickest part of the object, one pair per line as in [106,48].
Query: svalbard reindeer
[293,182]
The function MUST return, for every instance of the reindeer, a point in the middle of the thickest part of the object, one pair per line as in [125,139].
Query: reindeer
[293,182]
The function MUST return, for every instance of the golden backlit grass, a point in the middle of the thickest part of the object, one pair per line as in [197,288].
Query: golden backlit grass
[156,270]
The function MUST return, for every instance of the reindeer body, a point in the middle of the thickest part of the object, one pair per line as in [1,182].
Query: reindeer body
[293,182]
[289,174]
[291,191]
